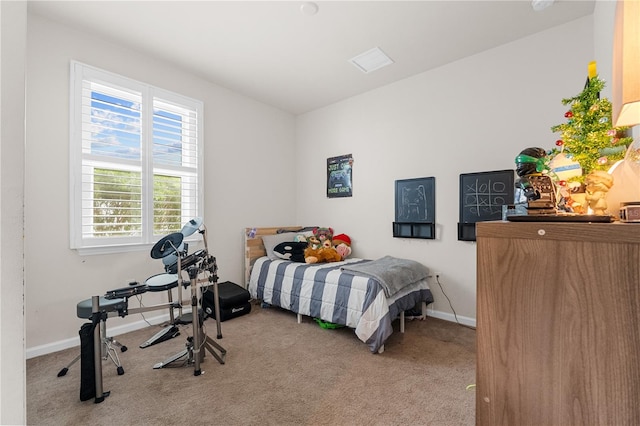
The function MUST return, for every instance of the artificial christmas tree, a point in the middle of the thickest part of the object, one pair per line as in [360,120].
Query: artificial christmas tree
[588,136]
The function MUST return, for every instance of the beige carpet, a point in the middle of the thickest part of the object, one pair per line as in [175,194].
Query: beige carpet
[277,372]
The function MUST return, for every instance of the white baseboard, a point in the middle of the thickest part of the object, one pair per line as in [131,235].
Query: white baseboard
[471,322]
[121,329]
[112,331]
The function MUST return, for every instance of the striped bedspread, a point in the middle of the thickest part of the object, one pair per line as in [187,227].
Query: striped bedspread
[324,291]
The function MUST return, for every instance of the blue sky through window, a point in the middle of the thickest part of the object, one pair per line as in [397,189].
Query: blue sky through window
[167,137]
[116,130]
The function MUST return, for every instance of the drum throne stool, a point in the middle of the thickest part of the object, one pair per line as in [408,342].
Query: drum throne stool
[84,311]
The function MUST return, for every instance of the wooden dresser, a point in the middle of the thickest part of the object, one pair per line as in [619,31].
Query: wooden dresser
[558,324]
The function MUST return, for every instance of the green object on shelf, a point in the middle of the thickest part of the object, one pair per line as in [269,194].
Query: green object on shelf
[328,325]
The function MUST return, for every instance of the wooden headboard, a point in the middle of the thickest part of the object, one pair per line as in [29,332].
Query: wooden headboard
[254,248]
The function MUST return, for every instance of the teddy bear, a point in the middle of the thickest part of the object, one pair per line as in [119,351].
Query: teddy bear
[320,251]
[342,244]
[323,234]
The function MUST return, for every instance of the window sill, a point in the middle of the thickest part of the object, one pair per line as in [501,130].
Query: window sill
[122,248]
[90,251]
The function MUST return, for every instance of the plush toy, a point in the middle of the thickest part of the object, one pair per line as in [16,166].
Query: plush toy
[313,242]
[301,238]
[342,244]
[293,251]
[323,234]
[320,252]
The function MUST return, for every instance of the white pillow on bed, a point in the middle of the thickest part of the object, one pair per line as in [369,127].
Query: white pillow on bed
[270,241]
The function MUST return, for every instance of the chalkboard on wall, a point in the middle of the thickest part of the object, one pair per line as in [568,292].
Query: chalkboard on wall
[482,196]
[415,208]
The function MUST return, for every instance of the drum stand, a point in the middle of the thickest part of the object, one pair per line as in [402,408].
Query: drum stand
[171,330]
[108,351]
[107,343]
[199,339]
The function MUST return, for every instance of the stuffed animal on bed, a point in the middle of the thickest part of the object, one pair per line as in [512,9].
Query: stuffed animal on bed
[342,244]
[314,242]
[323,234]
[291,250]
[321,252]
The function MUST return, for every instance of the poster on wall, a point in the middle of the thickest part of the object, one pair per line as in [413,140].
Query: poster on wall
[339,176]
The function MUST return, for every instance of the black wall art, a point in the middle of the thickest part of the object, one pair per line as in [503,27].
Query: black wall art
[482,196]
[415,208]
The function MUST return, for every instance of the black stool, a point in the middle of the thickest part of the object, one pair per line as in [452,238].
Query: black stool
[84,311]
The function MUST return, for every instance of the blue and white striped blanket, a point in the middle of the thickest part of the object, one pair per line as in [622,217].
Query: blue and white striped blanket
[324,291]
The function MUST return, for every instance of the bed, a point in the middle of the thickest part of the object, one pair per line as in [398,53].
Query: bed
[330,292]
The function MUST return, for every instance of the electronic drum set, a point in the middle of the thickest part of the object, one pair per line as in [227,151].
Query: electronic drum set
[201,269]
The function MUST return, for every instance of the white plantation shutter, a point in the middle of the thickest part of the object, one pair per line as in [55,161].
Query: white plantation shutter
[136,161]
[175,162]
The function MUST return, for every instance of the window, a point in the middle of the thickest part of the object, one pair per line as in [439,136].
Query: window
[136,161]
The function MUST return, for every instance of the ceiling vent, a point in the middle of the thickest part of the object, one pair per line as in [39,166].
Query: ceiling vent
[371,60]
[539,5]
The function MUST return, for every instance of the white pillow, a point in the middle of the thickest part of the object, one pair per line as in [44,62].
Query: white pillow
[270,241]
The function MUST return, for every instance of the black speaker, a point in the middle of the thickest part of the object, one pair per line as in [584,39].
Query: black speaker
[233,299]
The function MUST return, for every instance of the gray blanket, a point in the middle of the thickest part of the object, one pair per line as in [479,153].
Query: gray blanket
[393,274]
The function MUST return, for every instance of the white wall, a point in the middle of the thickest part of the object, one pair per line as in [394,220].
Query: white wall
[13,29]
[248,146]
[473,115]
[605,10]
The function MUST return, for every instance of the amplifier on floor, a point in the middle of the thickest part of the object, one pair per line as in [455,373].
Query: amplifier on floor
[234,301]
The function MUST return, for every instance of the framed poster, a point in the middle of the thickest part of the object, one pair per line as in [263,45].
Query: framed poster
[482,196]
[415,208]
[340,176]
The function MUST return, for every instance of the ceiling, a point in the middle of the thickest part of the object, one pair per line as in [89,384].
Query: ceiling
[273,52]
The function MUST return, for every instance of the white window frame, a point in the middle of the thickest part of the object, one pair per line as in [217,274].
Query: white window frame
[87,245]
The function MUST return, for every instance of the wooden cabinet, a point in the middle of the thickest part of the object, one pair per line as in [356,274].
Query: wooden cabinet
[558,324]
